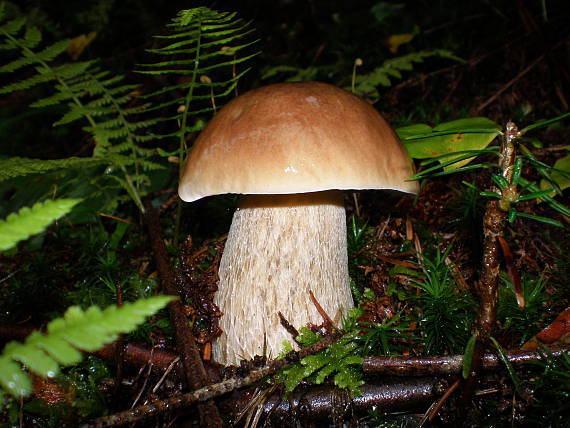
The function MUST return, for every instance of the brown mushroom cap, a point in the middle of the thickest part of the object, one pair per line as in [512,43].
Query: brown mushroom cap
[295,138]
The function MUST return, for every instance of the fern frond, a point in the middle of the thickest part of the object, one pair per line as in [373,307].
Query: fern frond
[367,84]
[29,221]
[206,48]
[17,167]
[338,359]
[76,331]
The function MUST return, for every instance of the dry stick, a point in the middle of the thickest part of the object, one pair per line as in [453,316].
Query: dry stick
[447,365]
[437,405]
[207,392]
[195,374]
[329,325]
[487,286]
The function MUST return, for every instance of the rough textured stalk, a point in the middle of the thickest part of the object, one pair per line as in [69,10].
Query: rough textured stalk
[279,248]
[487,286]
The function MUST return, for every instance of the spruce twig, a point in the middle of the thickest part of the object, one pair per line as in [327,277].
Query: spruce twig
[487,286]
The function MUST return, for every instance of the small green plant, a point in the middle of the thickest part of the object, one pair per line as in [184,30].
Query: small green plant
[454,154]
[383,338]
[341,360]
[446,310]
[551,391]
[526,321]
[203,50]
[358,237]
[202,44]
[85,92]
[468,206]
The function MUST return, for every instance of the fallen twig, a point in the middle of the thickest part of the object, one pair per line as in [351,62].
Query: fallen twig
[510,83]
[448,365]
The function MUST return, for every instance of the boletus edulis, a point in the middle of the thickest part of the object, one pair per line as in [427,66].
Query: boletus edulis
[290,149]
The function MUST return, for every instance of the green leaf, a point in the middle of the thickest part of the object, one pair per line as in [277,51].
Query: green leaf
[406,132]
[366,84]
[29,221]
[468,355]
[560,177]
[544,123]
[338,359]
[545,220]
[202,40]
[87,330]
[505,359]
[447,138]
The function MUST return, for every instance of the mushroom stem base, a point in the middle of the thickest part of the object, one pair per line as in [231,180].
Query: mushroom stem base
[279,247]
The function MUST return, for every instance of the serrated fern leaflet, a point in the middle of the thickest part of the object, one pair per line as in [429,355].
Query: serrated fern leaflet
[76,331]
[29,221]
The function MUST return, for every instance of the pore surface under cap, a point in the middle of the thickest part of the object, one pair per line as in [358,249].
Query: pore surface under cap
[295,138]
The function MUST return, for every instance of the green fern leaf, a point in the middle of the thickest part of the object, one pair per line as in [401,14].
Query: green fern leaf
[77,330]
[367,84]
[206,47]
[13,27]
[16,167]
[29,221]
[339,360]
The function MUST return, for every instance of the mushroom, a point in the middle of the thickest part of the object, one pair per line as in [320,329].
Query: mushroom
[289,148]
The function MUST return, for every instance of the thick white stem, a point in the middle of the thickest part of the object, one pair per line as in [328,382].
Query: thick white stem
[279,247]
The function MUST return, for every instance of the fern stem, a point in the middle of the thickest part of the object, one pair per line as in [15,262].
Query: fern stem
[129,136]
[30,53]
[182,147]
[133,188]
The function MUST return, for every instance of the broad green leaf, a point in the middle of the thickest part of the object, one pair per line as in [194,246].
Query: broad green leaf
[562,164]
[459,135]
[406,132]
[29,221]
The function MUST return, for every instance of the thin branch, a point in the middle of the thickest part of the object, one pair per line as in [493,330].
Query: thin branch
[195,374]
[448,365]
[510,83]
